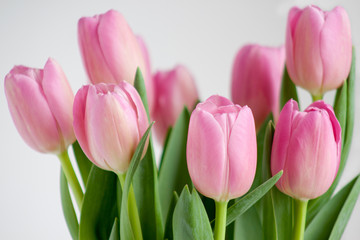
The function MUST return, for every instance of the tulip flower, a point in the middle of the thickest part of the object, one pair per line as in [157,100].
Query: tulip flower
[318,48]
[174,90]
[256,80]
[41,102]
[221,153]
[109,121]
[111,52]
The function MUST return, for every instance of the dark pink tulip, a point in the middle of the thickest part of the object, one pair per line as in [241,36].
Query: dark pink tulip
[40,102]
[256,80]
[110,51]
[221,149]
[318,48]
[307,146]
[174,90]
[109,121]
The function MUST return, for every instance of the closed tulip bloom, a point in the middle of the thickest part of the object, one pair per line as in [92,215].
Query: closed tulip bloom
[256,80]
[221,149]
[307,146]
[41,102]
[109,121]
[318,48]
[174,90]
[110,51]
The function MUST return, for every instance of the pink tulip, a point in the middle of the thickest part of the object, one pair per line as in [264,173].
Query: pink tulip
[307,146]
[318,48]
[174,90]
[111,52]
[256,80]
[109,121]
[40,102]
[221,149]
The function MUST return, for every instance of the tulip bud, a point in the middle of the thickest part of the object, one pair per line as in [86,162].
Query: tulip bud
[40,102]
[307,146]
[221,149]
[256,80]
[174,90]
[318,48]
[111,52]
[109,121]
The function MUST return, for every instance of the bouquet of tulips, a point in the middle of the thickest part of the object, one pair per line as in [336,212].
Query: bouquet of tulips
[255,167]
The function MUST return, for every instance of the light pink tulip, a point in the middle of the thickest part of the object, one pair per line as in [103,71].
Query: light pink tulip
[307,146]
[256,80]
[111,52]
[221,149]
[109,121]
[174,90]
[318,48]
[40,102]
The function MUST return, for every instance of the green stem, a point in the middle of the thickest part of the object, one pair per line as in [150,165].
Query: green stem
[132,209]
[316,97]
[220,220]
[300,217]
[71,177]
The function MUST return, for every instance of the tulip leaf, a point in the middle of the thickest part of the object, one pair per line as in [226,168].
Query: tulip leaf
[250,199]
[68,207]
[331,220]
[174,175]
[126,231]
[190,220]
[139,84]
[269,220]
[99,207]
[165,146]
[344,110]
[83,162]
[168,227]
[248,225]
[146,190]
[288,90]
[115,231]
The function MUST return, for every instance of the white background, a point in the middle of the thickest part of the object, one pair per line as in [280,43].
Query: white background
[203,35]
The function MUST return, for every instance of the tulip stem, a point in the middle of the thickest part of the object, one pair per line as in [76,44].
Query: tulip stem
[220,220]
[132,209]
[300,217]
[316,97]
[71,177]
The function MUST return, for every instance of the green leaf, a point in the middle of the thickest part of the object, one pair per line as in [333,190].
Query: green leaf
[126,231]
[146,190]
[68,207]
[283,207]
[83,162]
[269,220]
[139,84]
[248,225]
[344,110]
[99,207]
[331,220]
[190,220]
[165,147]
[168,227]
[174,175]
[288,90]
[115,231]
[250,199]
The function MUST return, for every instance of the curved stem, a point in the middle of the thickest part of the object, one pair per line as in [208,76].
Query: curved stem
[132,209]
[316,97]
[220,220]
[71,177]
[300,217]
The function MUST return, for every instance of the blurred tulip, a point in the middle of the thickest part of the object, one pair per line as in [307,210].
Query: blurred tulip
[221,149]
[109,121]
[40,102]
[307,146]
[256,80]
[318,48]
[111,52]
[174,90]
